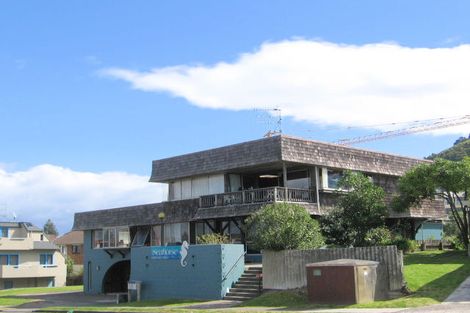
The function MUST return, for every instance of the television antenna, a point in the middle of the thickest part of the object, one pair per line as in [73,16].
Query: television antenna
[278,129]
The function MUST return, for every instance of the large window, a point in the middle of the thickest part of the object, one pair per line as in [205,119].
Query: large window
[116,237]
[298,179]
[46,259]
[141,236]
[8,259]
[173,234]
[333,178]
[176,233]
[123,237]
[330,178]
[97,239]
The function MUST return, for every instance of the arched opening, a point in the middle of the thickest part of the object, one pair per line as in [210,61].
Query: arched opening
[117,276]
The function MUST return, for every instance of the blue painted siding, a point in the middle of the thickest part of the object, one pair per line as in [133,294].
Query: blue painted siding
[100,262]
[430,230]
[202,278]
[210,271]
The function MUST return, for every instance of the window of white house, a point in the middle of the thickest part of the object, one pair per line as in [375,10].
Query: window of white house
[46,259]
[4,232]
[9,259]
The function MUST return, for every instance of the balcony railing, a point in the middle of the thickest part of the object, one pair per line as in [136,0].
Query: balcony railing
[271,194]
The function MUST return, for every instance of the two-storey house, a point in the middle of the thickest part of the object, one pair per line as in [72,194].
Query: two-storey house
[28,259]
[215,190]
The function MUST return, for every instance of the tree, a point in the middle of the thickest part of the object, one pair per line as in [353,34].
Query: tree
[448,180]
[360,209]
[49,228]
[281,226]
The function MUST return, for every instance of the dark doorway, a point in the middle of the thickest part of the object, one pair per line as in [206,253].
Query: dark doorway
[117,276]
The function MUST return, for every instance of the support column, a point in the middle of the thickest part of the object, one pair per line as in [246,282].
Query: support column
[317,188]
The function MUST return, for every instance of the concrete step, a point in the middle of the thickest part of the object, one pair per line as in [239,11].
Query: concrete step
[242,294]
[244,289]
[244,285]
[248,280]
[238,298]
[254,270]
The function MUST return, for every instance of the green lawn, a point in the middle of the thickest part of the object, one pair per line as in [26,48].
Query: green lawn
[6,300]
[431,276]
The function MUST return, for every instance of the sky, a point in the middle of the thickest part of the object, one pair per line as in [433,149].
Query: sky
[92,91]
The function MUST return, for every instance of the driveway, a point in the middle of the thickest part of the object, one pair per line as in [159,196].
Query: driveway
[68,299]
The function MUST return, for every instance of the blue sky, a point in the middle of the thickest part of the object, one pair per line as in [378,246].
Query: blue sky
[78,97]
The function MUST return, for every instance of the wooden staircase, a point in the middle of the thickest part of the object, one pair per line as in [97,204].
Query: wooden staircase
[248,286]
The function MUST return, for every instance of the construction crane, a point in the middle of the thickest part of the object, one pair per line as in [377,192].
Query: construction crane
[422,126]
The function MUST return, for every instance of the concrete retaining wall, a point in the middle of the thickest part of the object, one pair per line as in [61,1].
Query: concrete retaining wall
[286,269]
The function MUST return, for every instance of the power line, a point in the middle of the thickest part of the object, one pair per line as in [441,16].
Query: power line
[424,126]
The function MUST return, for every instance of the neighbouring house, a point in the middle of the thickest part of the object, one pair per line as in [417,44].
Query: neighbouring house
[215,190]
[28,258]
[71,245]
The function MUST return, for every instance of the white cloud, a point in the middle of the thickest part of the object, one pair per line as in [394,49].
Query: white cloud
[325,83]
[49,191]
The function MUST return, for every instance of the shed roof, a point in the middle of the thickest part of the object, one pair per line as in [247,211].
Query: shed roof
[274,151]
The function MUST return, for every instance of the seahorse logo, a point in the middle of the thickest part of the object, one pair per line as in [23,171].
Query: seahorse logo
[184,253]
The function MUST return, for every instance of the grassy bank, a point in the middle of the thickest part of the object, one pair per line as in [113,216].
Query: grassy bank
[431,276]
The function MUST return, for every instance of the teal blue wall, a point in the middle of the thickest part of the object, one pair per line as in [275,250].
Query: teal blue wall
[430,230]
[100,263]
[207,274]
[202,278]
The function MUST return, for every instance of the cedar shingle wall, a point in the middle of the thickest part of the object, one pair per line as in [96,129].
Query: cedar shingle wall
[329,155]
[175,212]
[243,155]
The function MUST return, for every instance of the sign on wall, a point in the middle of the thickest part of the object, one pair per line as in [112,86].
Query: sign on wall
[166,253]
[171,253]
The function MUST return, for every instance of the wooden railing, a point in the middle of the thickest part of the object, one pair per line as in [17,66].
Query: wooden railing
[271,194]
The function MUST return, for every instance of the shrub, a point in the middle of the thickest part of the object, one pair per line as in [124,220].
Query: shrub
[69,263]
[455,242]
[380,236]
[281,226]
[406,245]
[359,210]
[208,239]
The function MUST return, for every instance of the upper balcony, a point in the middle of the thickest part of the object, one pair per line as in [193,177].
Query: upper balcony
[261,195]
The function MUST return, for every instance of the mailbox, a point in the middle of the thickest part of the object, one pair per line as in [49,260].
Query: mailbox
[133,286]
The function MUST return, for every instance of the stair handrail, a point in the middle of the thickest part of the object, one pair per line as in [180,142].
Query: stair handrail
[234,264]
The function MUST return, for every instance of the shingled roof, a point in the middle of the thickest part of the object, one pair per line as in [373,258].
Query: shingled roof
[275,150]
